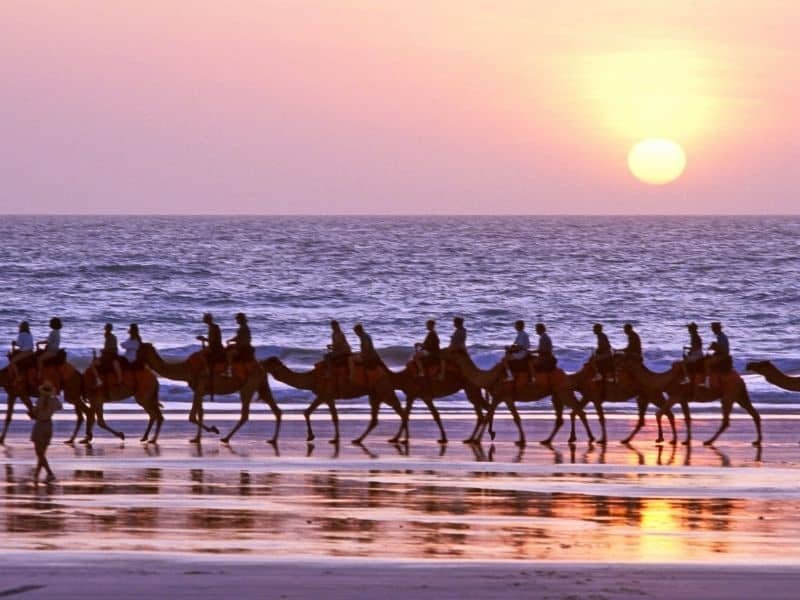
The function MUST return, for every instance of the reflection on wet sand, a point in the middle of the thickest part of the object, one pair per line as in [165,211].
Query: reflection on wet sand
[497,501]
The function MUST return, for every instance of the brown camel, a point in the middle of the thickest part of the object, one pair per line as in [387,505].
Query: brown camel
[329,387]
[248,378]
[651,387]
[510,393]
[728,388]
[431,387]
[64,377]
[774,375]
[141,384]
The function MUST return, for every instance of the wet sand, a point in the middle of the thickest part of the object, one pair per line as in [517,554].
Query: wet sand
[582,521]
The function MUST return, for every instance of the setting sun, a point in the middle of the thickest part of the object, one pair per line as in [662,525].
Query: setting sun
[657,161]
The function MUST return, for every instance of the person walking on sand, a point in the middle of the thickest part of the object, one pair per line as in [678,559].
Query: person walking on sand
[47,404]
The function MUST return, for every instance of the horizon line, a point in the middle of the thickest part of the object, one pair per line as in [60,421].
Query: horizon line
[402,215]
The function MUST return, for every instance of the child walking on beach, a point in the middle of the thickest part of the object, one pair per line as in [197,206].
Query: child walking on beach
[42,432]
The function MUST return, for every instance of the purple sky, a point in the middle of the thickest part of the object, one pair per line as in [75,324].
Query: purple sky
[398,106]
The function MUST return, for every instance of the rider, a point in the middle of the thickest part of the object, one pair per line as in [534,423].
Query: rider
[545,359]
[603,354]
[693,354]
[239,346]
[458,344]
[338,349]
[21,348]
[721,359]
[634,348]
[51,345]
[214,352]
[132,344]
[108,355]
[519,349]
[429,348]
[367,355]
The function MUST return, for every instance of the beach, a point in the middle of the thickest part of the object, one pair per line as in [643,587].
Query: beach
[388,520]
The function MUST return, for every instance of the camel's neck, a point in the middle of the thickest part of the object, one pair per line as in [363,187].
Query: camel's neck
[175,371]
[300,381]
[777,377]
[475,375]
[650,379]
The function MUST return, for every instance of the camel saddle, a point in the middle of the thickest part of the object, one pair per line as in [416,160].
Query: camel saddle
[55,361]
[722,382]
[367,376]
[551,380]
[431,367]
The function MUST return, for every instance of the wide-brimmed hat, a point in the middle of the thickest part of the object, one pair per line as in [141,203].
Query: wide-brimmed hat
[47,389]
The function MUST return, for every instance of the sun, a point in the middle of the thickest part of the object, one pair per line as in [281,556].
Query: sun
[657,161]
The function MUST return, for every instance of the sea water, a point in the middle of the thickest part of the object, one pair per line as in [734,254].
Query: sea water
[291,275]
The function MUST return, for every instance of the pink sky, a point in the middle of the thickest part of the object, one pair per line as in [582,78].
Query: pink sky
[397,106]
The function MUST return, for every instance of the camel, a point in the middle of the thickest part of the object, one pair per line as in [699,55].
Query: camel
[730,389]
[505,392]
[193,371]
[329,389]
[429,388]
[65,377]
[774,375]
[140,384]
[650,387]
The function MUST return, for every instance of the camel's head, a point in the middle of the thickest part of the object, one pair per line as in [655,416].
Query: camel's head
[758,366]
[271,363]
[144,351]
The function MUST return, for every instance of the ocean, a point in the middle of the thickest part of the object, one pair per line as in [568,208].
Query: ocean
[291,275]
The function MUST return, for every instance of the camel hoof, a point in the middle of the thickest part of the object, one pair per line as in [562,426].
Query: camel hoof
[121,436]
[572,440]
[441,441]
[492,434]
[625,442]
[659,440]
[393,440]
[757,444]
[673,442]
[708,442]
[195,440]
[70,442]
[548,443]
[2,441]
[86,441]
[144,440]
[686,442]
[335,441]
[468,441]
[213,429]
[601,442]
[520,443]
[225,440]
[154,441]
[273,441]
[356,442]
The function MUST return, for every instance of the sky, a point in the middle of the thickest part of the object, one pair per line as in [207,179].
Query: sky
[397,106]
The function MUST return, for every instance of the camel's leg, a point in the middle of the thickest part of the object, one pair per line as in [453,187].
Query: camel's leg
[478,423]
[243,416]
[671,419]
[746,404]
[641,404]
[559,408]
[512,406]
[687,421]
[307,415]
[404,424]
[273,406]
[601,416]
[585,421]
[335,420]
[101,422]
[9,413]
[90,418]
[150,420]
[435,414]
[727,406]
[392,400]
[196,416]
[374,406]
[155,411]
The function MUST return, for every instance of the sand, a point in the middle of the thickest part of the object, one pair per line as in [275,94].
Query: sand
[381,520]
